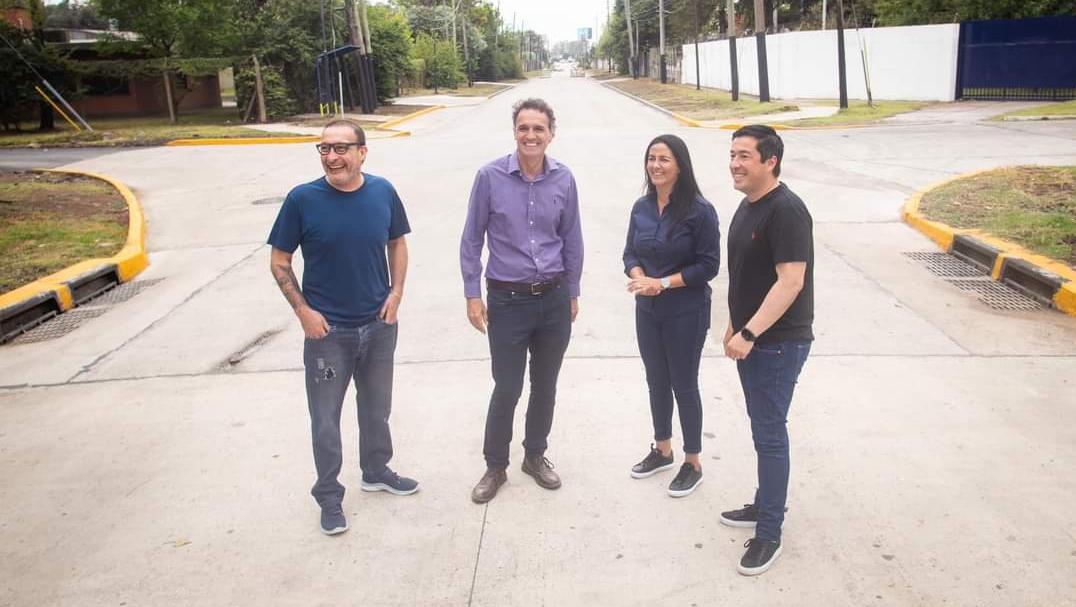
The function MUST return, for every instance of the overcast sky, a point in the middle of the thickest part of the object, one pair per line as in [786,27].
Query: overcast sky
[557,19]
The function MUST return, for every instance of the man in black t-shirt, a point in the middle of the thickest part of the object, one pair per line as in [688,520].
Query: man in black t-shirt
[771,308]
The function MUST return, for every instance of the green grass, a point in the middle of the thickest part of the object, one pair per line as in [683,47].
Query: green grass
[1031,206]
[141,130]
[46,226]
[1066,108]
[704,104]
[538,74]
[858,112]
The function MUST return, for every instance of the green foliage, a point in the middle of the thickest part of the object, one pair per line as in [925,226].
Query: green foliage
[286,37]
[192,28]
[440,61]
[917,12]
[390,35]
[18,99]
[73,15]
[279,102]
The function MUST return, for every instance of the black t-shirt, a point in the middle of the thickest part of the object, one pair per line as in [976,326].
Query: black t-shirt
[776,228]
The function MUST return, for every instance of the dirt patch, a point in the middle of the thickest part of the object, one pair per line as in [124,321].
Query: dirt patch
[49,221]
[1032,206]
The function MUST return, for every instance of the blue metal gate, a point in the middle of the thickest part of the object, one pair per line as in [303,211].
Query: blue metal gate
[1026,59]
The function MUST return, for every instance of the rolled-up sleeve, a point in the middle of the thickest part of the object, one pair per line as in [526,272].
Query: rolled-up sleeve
[707,249]
[474,236]
[571,232]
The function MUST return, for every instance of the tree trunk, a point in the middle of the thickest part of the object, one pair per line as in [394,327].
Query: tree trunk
[259,90]
[168,95]
[47,121]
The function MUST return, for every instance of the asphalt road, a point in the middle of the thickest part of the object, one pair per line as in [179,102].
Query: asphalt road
[48,158]
[159,453]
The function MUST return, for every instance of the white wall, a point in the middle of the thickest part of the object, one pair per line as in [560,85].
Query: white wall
[912,63]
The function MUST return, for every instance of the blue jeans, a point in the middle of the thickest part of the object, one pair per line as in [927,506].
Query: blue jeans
[768,376]
[518,324]
[363,355]
[671,348]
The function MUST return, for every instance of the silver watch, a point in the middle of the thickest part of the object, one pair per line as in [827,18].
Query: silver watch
[665,282]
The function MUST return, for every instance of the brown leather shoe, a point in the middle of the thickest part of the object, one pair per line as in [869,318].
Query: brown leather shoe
[542,470]
[487,486]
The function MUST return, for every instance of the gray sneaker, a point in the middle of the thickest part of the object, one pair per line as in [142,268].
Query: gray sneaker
[333,521]
[685,482]
[391,482]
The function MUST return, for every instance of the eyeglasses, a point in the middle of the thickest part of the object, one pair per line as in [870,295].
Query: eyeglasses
[339,148]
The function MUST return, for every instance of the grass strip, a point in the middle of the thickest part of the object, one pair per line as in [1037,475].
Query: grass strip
[1033,206]
[704,104]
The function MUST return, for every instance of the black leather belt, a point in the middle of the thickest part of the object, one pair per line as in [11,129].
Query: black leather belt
[523,288]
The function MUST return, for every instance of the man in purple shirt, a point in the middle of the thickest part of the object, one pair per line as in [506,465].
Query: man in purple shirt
[525,206]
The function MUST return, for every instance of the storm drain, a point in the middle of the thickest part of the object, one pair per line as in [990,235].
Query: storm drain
[968,277]
[67,322]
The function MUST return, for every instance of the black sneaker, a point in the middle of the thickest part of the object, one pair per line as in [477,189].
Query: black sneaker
[333,521]
[653,463]
[391,482]
[685,482]
[746,517]
[759,557]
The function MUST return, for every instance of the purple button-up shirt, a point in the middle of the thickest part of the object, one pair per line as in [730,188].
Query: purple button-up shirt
[532,227]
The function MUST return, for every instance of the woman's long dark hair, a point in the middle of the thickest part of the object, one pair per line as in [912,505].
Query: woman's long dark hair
[686,189]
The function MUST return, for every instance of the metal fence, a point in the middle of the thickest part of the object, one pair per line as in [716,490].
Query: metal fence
[1018,59]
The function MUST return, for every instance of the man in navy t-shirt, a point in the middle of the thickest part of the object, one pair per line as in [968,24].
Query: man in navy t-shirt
[345,223]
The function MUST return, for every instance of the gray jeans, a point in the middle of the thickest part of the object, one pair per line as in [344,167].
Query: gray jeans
[363,354]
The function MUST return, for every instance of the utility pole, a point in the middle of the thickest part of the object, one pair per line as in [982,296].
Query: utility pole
[466,51]
[698,83]
[842,81]
[760,40]
[631,39]
[730,15]
[661,40]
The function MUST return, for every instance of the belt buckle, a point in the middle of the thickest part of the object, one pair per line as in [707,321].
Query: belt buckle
[536,288]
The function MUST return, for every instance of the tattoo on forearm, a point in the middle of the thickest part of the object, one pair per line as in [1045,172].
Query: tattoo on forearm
[289,286]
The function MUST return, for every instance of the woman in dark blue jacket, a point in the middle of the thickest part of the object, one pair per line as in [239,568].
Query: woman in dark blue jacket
[672,252]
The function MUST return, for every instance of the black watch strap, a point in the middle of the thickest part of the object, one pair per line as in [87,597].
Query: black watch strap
[747,334]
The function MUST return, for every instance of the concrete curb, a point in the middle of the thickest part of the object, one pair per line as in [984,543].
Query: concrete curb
[243,141]
[30,305]
[507,87]
[730,127]
[1038,118]
[677,117]
[387,125]
[1046,280]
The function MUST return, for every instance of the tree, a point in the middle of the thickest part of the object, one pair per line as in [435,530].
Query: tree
[390,35]
[916,12]
[440,61]
[173,29]
[71,14]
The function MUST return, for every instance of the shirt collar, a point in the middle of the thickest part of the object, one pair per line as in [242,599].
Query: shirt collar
[513,164]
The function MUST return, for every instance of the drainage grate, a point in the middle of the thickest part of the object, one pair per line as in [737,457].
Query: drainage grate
[945,265]
[122,293]
[67,322]
[968,277]
[59,326]
[270,200]
[997,295]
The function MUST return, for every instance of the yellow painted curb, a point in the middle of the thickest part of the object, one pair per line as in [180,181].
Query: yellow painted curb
[243,141]
[131,259]
[943,235]
[387,125]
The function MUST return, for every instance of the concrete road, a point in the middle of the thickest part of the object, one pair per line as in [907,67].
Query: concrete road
[159,453]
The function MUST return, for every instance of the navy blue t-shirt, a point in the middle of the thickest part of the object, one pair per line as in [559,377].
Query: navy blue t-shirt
[343,237]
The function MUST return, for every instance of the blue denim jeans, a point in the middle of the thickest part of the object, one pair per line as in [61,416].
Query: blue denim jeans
[768,376]
[671,348]
[520,324]
[363,355]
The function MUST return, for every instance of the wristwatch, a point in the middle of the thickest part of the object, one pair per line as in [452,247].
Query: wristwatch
[747,335]
[665,283]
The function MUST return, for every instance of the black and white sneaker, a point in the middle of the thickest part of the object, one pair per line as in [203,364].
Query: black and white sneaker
[653,463]
[759,557]
[746,517]
[685,482]
[391,482]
